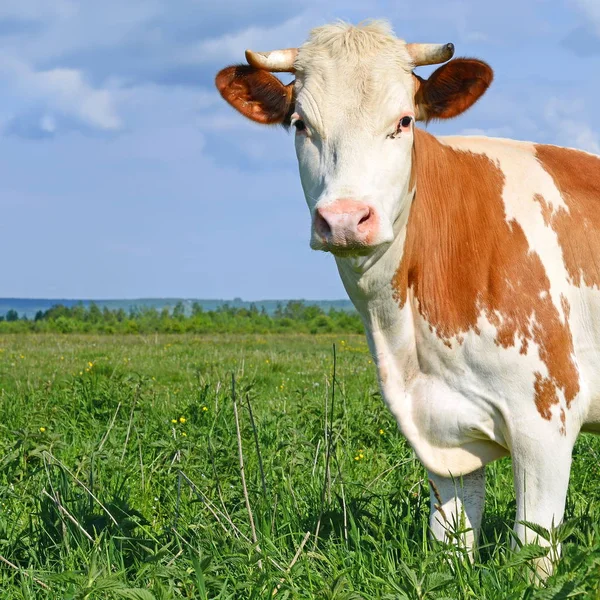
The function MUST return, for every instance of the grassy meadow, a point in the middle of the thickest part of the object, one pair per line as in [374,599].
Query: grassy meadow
[120,478]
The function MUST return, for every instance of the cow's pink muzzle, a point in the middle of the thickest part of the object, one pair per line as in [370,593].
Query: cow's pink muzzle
[346,224]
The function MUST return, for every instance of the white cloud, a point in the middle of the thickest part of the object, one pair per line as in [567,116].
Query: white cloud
[591,11]
[63,90]
[503,132]
[67,90]
[475,37]
[572,132]
[231,46]
[48,124]
[584,138]
[36,9]
[71,26]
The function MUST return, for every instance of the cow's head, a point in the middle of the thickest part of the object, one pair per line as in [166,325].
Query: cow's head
[353,105]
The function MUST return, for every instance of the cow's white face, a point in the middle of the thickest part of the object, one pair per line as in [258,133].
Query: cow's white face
[353,125]
[353,106]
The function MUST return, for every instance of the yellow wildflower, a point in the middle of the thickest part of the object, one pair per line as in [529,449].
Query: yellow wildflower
[184,434]
[204,408]
[182,419]
[62,358]
[90,364]
[42,430]
[22,356]
[173,421]
[381,432]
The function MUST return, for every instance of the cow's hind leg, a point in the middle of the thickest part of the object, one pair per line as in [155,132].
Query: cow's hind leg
[541,475]
[456,508]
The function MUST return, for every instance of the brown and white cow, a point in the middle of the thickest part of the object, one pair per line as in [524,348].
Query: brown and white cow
[473,262]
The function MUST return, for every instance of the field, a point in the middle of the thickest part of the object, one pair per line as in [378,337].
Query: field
[121,478]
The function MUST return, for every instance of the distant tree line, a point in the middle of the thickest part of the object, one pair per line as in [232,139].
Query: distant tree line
[294,316]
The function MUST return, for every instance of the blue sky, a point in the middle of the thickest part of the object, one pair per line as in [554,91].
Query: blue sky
[123,173]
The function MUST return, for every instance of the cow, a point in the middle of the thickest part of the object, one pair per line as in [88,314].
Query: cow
[473,262]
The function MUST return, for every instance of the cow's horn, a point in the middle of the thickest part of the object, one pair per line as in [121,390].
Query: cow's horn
[276,61]
[430,54]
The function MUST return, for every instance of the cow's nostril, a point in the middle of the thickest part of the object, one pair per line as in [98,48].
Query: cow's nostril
[321,224]
[365,217]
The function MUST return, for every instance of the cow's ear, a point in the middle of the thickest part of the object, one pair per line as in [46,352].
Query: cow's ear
[451,89]
[256,94]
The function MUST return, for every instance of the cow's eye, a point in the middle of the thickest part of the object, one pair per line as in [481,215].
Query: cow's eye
[403,124]
[299,124]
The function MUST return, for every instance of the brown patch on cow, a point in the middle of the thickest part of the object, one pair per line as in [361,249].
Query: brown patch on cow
[463,259]
[577,177]
[256,94]
[563,420]
[451,89]
[412,180]
[545,395]
[565,306]
[546,208]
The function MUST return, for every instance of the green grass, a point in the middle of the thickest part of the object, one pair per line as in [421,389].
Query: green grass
[103,496]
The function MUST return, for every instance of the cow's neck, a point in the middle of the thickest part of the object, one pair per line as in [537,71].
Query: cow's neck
[371,287]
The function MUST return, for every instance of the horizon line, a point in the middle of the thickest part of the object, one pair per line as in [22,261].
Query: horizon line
[235,298]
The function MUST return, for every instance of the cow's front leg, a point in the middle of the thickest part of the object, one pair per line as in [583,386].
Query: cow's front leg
[457,507]
[541,475]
